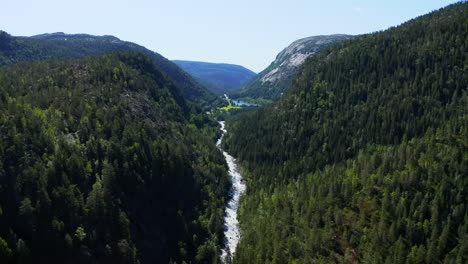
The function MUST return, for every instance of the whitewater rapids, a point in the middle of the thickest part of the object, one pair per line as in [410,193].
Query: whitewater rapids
[231,223]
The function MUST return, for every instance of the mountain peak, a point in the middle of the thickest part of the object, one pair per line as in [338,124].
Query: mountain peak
[309,45]
[272,82]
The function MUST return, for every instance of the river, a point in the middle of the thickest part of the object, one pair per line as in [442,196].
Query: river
[231,223]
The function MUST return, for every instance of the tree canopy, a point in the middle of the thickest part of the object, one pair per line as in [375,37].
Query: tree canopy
[365,158]
[103,161]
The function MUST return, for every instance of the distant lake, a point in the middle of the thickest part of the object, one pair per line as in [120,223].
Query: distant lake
[242,103]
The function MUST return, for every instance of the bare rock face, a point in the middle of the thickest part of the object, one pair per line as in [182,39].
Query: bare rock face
[295,54]
[271,83]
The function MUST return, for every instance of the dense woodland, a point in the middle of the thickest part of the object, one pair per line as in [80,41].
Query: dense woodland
[111,158]
[365,158]
[103,161]
[66,46]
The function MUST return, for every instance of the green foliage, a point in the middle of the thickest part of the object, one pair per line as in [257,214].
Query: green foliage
[103,161]
[229,107]
[389,204]
[365,158]
[5,252]
[80,233]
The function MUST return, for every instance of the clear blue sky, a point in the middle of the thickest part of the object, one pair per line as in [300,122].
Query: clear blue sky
[245,32]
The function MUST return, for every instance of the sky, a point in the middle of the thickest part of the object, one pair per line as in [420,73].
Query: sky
[246,32]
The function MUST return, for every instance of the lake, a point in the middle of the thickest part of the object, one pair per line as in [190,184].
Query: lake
[242,103]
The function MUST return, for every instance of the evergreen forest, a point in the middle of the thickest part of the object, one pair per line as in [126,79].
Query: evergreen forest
[364,160]
[103,161]
[108,152]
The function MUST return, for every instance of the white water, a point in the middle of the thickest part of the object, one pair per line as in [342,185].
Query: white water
[231,224]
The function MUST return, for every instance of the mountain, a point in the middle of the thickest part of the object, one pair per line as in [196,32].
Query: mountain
[272,82]
[100,162]
[219,78]
[364,159]
[64,46]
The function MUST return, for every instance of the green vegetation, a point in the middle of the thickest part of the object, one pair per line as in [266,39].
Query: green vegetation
[103,161]
[229,107]
[219,78]
[64,46]
[365,158]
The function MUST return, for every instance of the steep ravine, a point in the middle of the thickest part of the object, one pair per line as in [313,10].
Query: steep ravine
[231,223]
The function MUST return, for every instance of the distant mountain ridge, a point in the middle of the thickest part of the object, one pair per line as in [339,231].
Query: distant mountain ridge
[64,46]
[272,82]
[65,36]
[219,78]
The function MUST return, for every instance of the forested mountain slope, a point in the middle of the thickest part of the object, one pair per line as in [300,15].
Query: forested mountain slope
[100,164]
[220,78]
[365,158]
[61,46]
[272,82]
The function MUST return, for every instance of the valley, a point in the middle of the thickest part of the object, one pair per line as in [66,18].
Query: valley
[344,149]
